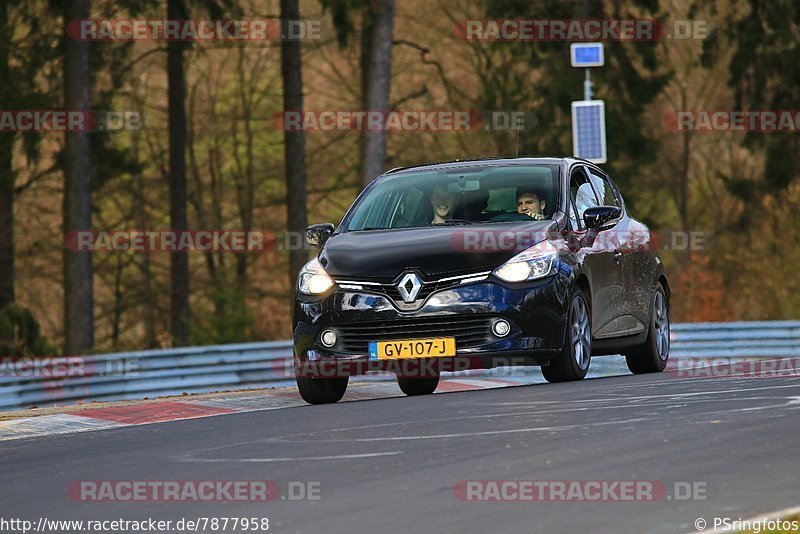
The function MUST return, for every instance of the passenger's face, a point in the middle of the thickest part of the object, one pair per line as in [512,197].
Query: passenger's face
[529,205]
[442,201]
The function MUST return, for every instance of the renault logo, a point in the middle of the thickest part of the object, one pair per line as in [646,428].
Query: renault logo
[409,287]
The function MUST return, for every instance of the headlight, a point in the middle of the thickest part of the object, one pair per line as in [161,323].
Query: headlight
[537,262]
[313,279]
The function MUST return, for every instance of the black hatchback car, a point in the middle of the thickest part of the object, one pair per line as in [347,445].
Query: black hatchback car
[524,261]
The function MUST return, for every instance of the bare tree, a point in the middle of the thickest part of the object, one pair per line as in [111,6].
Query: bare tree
[179,261]
[6,174]
[294,142]
[78,283]
[379,82]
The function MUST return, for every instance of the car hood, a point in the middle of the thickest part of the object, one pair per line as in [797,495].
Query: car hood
[432,250]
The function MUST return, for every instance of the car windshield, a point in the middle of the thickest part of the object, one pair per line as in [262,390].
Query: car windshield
[465,195]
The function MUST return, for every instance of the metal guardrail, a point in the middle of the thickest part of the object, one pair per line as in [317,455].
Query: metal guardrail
[755,338]
[153,373]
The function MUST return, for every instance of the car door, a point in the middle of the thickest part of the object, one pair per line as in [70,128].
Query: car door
[621,241]
[600,257]
[638,265]
[602,267]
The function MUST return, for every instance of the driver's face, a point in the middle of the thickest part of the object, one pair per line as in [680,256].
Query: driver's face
[529,205]
[442,201]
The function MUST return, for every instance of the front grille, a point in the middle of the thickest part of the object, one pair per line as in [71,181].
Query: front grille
[469,332]
[427,289]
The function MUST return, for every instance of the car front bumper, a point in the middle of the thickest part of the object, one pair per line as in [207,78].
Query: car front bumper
[536,310]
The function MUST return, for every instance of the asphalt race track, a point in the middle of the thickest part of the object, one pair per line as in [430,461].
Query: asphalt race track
[392,464]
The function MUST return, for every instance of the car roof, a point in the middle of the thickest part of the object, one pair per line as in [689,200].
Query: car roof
[486,161]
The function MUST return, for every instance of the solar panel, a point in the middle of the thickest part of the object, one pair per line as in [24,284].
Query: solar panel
[586,54]
[589,130]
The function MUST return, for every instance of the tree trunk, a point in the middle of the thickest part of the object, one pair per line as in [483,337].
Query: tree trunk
[379,85]
[247,191]
[148,297]
[6,176]
[6,218]
[686,152]
[294,143]
[367,27]
[78,288]
[179,261]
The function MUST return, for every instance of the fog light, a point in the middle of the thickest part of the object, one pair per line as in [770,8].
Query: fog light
[501,328]
[329,338]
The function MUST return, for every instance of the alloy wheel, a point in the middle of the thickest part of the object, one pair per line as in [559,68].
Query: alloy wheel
[661,325]
[580,333]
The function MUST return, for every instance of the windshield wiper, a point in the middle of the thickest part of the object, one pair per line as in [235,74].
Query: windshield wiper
[456,222]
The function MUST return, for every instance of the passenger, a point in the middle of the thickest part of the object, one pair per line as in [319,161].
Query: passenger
[443,203]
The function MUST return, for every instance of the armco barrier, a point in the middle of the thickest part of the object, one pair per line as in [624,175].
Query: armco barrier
[761,338]
[156,373]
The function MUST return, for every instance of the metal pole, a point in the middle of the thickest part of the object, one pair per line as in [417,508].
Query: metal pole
[587,85]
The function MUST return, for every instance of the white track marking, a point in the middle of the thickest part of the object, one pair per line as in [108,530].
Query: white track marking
[285,459]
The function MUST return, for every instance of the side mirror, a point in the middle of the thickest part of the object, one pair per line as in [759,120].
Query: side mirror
[317,234]
[600,216]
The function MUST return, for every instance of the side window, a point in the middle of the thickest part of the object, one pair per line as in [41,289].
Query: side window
[406,211]
[604,188]
[581,197]
[572,218]
[382,211]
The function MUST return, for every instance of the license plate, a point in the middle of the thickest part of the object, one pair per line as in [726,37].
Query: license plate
[412,348]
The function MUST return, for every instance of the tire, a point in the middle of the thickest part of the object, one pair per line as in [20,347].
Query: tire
[576,355]
[654,354]
[418,386]
[322,390]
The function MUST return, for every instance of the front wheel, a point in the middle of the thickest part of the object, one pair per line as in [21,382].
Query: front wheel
[573,362]
[653,356]
[418,386]
[322,390]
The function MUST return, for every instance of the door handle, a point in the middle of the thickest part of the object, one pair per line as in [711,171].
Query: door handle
[617,256]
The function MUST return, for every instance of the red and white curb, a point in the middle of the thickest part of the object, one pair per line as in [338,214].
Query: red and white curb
[72,420]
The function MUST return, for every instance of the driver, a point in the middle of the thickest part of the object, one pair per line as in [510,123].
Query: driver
[528,203]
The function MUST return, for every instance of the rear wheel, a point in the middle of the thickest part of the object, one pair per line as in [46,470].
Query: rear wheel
[322,390]
[573,362]
[418,386]
[653,356]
